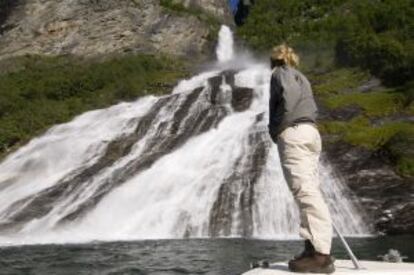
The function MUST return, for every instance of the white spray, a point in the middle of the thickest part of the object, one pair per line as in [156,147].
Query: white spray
[225,49]
[173,197]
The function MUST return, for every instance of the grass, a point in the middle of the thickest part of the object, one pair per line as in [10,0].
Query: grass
[410,109]
[359,131]
[38,92]
[405,166]
[375,104]
[396,137]
[337,81]
[337,89]
[401,146]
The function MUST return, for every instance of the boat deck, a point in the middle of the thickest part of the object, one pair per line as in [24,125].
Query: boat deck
[344,267]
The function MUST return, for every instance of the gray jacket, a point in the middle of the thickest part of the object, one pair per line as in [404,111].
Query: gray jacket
[291,100]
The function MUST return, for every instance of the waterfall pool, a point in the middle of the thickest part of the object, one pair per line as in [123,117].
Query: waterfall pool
[180,256]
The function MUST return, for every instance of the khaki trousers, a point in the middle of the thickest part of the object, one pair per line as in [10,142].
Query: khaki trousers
[299,149]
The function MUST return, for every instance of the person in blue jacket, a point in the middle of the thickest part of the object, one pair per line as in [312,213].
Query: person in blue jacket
[234,5]
[240,10]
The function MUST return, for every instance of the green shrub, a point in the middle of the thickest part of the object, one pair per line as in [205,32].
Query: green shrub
[42,91]
[375,35]
[382,103]
[337,81]
[173,5]
[395,137]
[405,166]
[359,131]
[401,146]
[384,55]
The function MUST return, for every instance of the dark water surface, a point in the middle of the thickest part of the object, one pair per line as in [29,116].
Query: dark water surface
[188,256]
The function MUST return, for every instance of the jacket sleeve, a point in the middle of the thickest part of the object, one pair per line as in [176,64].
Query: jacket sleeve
[276,107]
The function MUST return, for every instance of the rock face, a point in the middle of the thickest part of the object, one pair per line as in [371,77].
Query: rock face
[102,27]
[387,197]
[215,7]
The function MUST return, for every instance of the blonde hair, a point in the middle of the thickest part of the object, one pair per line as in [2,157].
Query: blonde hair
[285,55]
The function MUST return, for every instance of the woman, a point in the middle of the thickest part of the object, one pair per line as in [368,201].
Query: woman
[292,126]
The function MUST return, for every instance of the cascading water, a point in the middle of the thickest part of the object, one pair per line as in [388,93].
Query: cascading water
[225,49]
[195,163]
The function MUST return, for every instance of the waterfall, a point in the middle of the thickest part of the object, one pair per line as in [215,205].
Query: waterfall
[225,49]
[195,163]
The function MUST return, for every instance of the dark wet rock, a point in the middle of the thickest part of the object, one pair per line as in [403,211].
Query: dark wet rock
[242,98]
[226,77]
[245,173]
[345,113]
[386,196]
[392,118]
[371,84]
[398,219]
[371,175]
[341,114]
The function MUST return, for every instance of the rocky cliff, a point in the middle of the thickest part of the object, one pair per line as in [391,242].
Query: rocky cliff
[386,197]
[102,27]
[215,7]
[365,159]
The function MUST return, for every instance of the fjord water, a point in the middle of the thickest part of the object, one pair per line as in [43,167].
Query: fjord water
[174,257]
[196,163]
